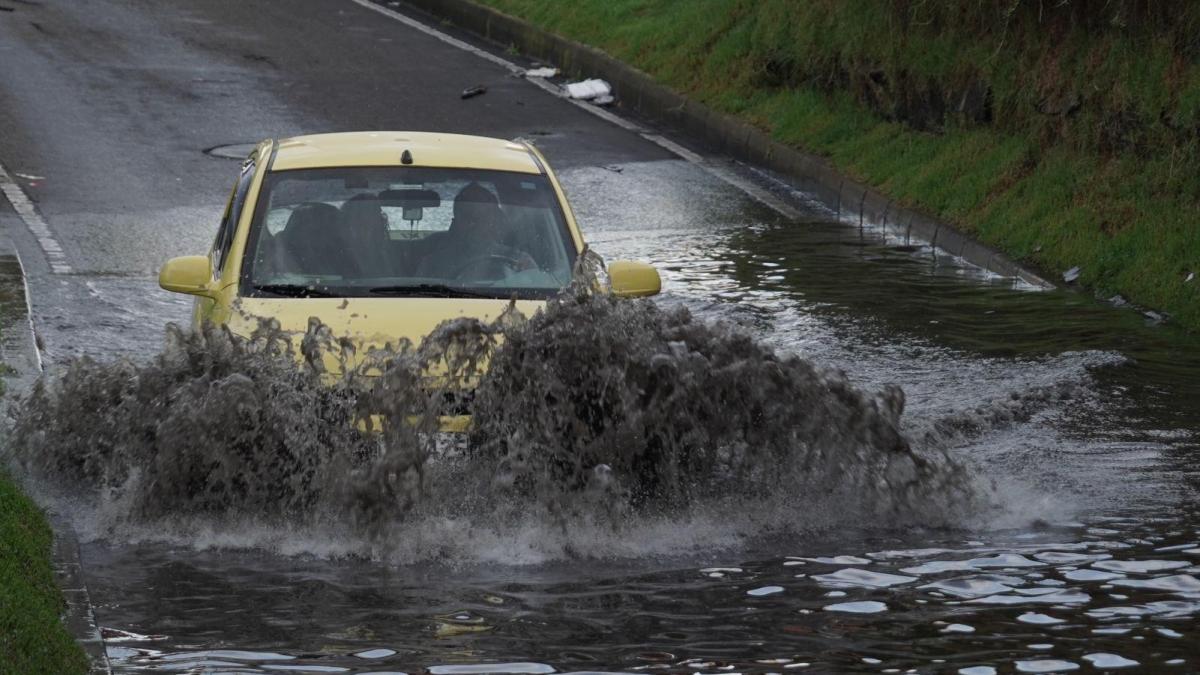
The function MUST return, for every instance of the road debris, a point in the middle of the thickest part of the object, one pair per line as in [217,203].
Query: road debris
[1071,275]
[472,92]
[588,90]
[541,72]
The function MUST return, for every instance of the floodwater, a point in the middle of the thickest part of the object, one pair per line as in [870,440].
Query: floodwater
[1077,421]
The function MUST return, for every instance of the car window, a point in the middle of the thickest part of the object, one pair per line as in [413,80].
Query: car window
[233,211]
[354,232]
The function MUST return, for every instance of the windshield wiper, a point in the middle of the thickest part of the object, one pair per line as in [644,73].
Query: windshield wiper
[294,291]
[430,291]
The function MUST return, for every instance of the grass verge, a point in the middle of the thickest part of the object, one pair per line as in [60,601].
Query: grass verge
[1066,133]
[32,636]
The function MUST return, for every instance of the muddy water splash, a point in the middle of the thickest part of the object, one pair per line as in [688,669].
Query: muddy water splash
[211,424]
[596,414]
[598,394]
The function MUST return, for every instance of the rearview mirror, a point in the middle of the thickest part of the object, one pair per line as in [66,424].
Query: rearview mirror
[411,199]
[633,279]
[189,274]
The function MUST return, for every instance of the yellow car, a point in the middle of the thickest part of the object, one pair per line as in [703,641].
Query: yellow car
[384,235]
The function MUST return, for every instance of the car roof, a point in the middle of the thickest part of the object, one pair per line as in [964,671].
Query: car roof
[385,148]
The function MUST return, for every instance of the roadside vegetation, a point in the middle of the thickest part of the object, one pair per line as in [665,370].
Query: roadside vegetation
[32,636]
[1065,132]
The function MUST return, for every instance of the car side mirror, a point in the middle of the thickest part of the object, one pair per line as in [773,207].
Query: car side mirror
[188,274]
[633,279]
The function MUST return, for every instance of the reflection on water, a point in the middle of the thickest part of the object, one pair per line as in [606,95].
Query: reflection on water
[1097,565]
[1109,592]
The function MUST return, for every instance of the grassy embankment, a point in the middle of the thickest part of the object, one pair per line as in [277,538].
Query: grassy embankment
[1064,132]
[32,636]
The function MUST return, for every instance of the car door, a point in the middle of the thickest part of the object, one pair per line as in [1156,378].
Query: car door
[207,308]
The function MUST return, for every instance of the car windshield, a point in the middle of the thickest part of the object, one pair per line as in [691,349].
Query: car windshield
[407,231]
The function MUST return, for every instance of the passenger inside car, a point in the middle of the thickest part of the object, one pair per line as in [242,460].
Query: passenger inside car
[310,243]
[364,230]
[473,247]
[371,231]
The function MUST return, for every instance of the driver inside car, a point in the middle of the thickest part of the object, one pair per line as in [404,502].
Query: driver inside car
[471,249]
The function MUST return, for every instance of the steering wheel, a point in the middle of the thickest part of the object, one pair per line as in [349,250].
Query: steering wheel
[510,264]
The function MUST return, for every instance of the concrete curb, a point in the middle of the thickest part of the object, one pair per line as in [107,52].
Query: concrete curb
[724,134]
[79,618]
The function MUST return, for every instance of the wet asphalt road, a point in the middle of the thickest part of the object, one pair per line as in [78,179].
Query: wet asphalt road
[106,108]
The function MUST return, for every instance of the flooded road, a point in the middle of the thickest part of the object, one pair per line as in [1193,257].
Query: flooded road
[1024,600]
[1078,420]
[1091,564]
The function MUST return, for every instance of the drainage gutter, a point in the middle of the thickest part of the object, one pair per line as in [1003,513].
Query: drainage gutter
[79,618]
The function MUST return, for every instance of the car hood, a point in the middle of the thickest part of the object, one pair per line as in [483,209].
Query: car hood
[369,322]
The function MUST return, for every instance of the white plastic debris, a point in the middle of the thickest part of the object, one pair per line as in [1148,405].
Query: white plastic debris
[541,72]
[603,100]
[1190,276]
[1071,274]
[588,89]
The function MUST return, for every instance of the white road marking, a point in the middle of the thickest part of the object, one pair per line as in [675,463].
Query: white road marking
[754,191]
[433,32]
[34,221]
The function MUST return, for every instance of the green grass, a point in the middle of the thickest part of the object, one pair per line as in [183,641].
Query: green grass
[32,636]
[1088,157]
